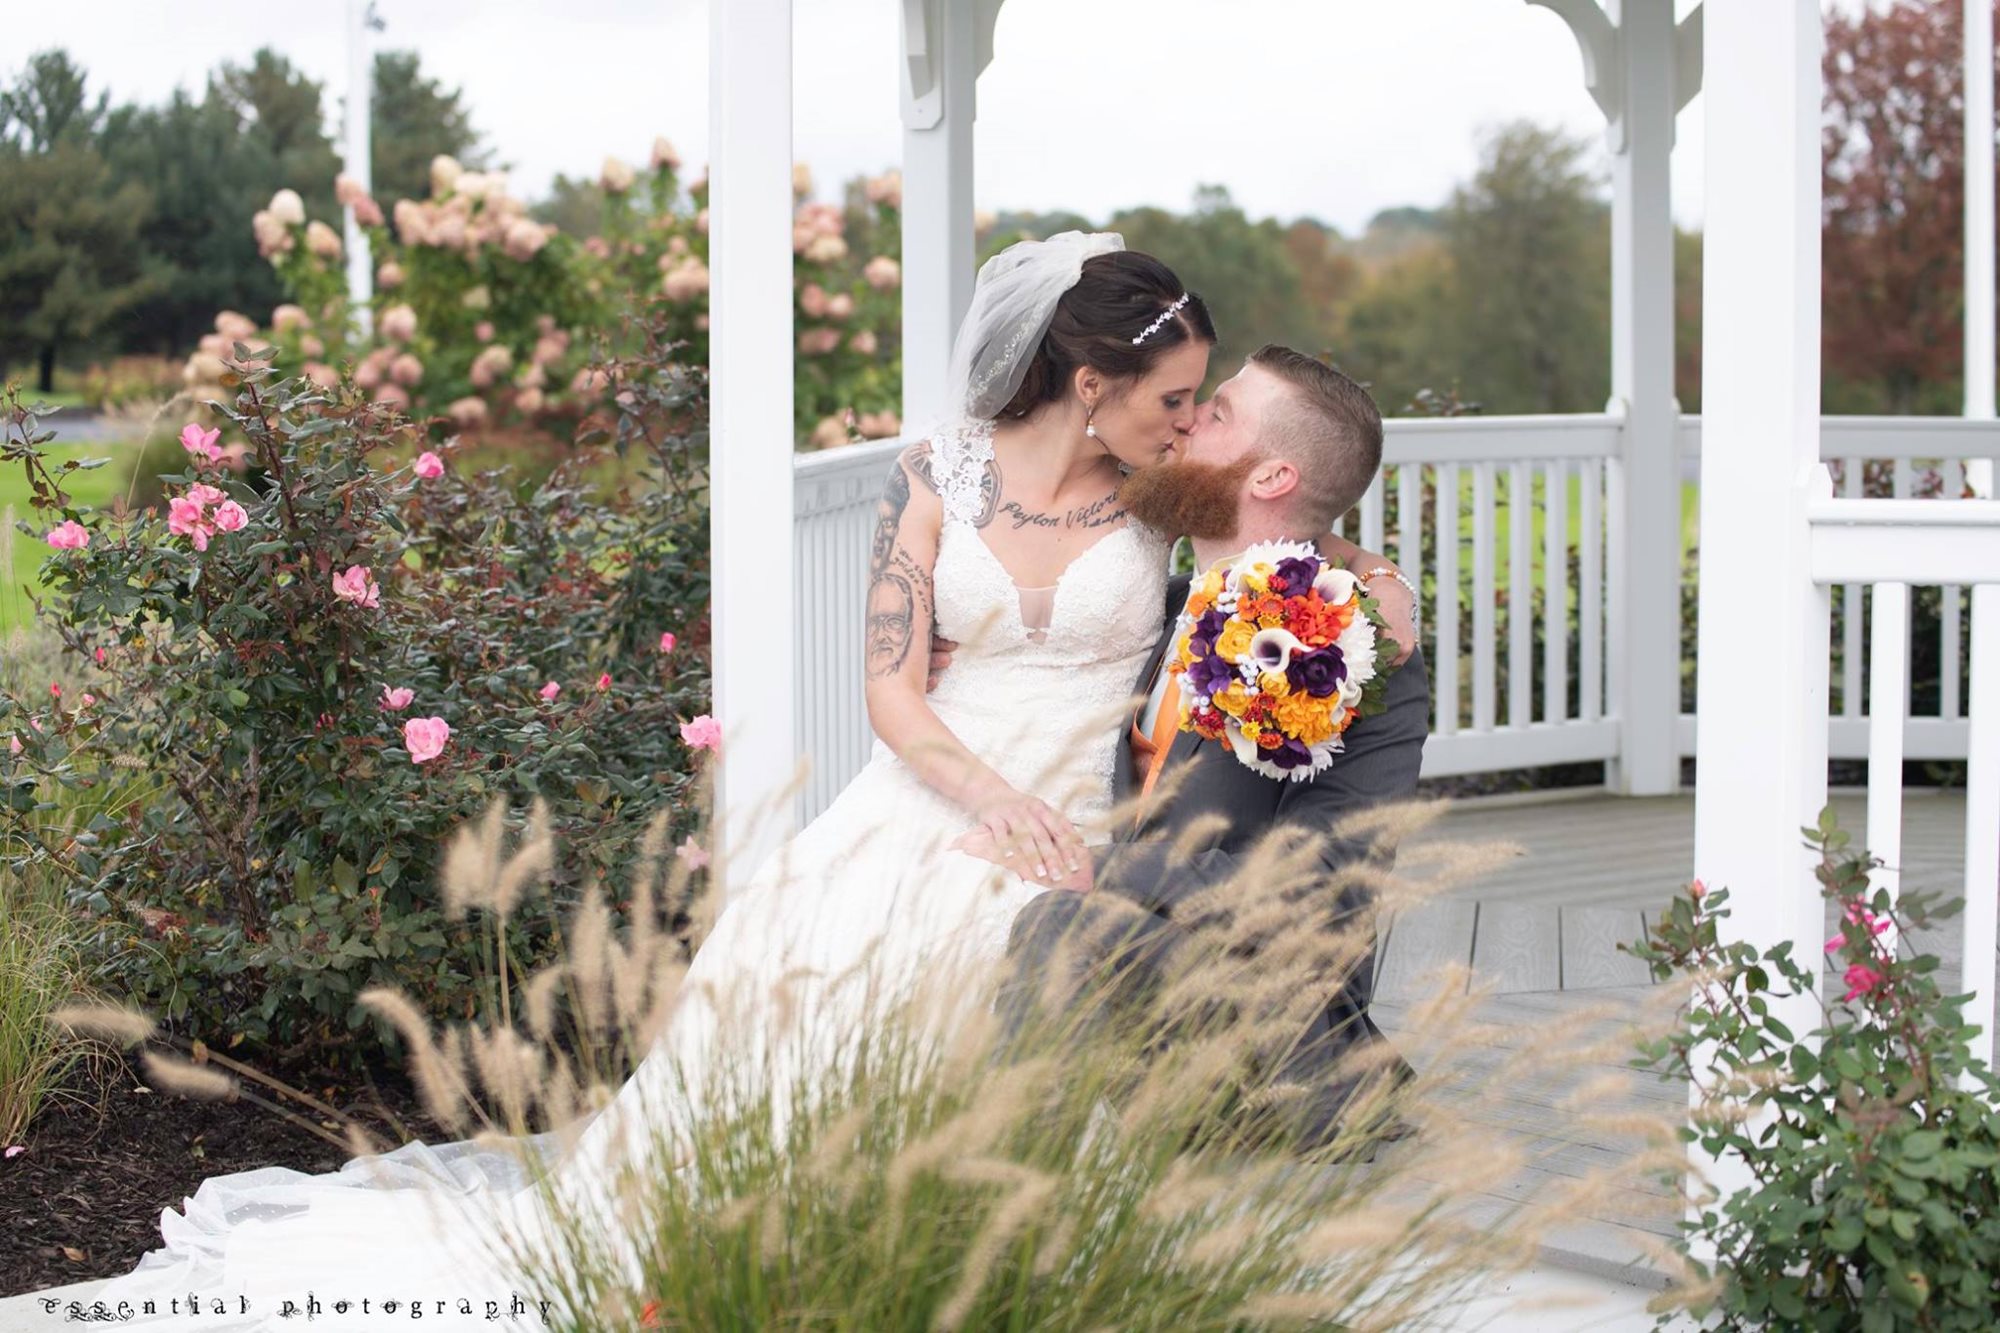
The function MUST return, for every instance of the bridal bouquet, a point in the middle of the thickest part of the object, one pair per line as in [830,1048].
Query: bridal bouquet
[1277,658]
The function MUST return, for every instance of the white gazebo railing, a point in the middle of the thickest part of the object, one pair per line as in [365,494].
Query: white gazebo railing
[1890,545]
[1506,696]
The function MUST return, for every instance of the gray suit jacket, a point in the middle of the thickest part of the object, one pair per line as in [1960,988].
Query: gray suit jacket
[1380,763]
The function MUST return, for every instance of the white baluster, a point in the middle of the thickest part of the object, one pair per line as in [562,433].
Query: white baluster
[1851,617]
[1888,669]
[1982,818]
[1590,595]
[1484,633]
[1520,597]
[1445,669]
[1555,591]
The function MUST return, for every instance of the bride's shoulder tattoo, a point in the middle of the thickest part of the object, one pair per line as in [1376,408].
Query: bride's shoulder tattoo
[989,493]
[917,458]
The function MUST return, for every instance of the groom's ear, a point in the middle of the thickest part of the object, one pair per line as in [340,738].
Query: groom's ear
[1274,479]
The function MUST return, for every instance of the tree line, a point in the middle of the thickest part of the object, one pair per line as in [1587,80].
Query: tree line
[122,231]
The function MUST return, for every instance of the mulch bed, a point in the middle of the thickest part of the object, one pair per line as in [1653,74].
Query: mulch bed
[104,1158]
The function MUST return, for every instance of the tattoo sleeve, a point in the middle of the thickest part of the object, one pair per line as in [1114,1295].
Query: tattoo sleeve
[898,600]
[899,588]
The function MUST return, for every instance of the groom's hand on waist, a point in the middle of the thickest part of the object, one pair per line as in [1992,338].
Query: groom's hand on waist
[941,651]
[981,843]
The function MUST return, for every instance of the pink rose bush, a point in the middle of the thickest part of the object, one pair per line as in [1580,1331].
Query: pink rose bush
[347,698]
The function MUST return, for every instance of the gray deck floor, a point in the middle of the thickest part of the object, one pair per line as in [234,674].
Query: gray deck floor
[1540,936]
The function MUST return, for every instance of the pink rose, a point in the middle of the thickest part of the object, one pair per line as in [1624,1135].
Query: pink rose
[356,585]
[692,852]
[69,535]
[1861,979]
[429,465]
[397,699]
[840,307]
[703,733]
[424,738]
[13,745]
[185,519]
[549,692]
[200,442]
[205,495]
[813,300]
[100,656]
[604,681]
[230,517]
[667,641]
[864,343]
[407,370]
[483,330]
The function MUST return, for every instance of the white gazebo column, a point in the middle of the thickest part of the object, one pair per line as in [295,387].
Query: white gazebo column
[1761,735]
[751,432]
[1644,622]
[358,160]
[946,43]
[1979,235]
[1641,69]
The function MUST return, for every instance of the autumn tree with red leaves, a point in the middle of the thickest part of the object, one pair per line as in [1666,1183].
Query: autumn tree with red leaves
[1894,206]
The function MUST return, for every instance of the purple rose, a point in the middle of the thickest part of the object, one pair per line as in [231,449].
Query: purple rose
[1292,754]
[1298,574]
[1319,672]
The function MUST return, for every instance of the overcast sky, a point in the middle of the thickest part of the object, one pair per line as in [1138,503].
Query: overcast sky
[1333,108]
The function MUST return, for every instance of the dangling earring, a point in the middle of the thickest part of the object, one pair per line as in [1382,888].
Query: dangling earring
[1088,428]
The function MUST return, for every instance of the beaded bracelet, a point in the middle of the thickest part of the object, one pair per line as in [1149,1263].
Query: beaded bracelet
[1416,599]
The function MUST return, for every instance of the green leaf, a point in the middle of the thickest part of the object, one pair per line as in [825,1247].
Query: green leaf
[238,698]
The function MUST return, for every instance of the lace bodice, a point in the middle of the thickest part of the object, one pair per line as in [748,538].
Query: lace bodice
[1037,695]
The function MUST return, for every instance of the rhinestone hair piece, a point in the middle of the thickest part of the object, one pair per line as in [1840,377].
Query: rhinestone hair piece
[1159,323]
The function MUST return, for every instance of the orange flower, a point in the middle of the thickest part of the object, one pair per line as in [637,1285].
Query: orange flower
[1307,718]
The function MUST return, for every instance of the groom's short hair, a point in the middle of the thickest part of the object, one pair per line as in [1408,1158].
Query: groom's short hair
[1330,430]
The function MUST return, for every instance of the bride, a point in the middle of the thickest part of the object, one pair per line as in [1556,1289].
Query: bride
[1002,530]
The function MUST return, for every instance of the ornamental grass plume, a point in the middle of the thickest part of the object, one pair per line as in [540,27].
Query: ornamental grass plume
[1119,1161]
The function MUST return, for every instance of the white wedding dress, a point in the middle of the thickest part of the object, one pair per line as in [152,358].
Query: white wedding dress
[870,881]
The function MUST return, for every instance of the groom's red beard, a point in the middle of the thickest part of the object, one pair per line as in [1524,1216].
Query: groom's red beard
[1187,498]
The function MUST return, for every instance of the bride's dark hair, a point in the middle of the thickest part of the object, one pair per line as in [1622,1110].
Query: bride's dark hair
[1114,300]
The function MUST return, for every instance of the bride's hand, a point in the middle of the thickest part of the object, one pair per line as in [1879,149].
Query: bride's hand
[1031,834]
[978,842]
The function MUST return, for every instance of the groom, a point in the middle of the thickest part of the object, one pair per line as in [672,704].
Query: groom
[1280,452]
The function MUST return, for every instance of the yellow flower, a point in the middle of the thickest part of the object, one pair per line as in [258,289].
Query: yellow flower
[1275,684]
[1211,584]
[1233,700]
[1254,580]
[1234,641]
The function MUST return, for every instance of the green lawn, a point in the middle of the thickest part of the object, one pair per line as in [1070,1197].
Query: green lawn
[25,552]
